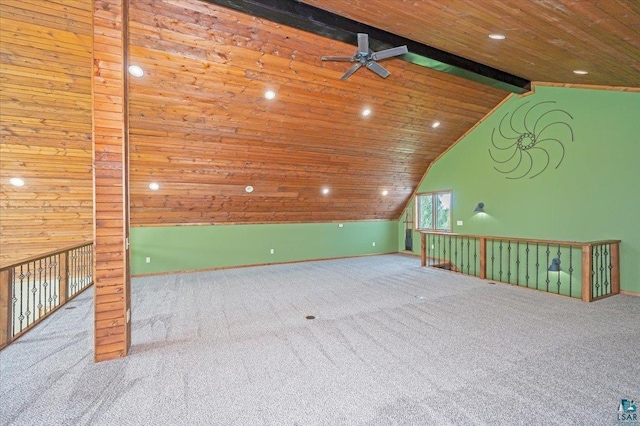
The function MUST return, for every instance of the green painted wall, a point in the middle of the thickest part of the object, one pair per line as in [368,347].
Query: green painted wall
[593,194]
[182,248]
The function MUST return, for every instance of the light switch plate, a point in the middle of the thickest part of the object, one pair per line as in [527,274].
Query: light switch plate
[459,223]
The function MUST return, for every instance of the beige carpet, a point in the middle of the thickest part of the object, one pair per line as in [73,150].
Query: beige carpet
[392,344]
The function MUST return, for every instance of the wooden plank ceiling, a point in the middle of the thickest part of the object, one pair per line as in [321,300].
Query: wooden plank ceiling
[546,40]
[201,128]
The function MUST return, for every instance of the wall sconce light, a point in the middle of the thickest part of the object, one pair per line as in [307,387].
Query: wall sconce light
[555,265]
[479,208]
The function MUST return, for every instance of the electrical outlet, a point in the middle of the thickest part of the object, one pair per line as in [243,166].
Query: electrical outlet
[340,225]
[374,243]
[148,259]
[460,223]
[272,251]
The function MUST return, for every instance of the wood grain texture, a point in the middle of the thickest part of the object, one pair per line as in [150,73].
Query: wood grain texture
[45,126]
[111,275]
[201,128]
[546,39]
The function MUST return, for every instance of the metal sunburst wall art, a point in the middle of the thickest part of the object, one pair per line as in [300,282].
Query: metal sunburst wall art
[528,140]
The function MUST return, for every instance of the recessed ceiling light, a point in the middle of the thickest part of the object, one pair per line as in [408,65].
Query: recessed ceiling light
[249,188]
[270,94]
[136,71]
[366,112]
[497,36]
[435,124]
[385,192]
[325,191]
[154,186]
[16,182]
[580,72]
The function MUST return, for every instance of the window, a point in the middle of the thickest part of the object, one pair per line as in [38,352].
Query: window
[434,211]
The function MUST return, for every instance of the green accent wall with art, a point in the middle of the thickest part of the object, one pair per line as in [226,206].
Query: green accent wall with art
[185,248]
[591,191]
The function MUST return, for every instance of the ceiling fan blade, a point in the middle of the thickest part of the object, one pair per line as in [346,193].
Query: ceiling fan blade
[375,67]
[363,43]
[338,58]
[351,71]
[394,51]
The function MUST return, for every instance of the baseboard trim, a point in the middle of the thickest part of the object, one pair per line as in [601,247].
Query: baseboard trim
[185,271]
[629,293]
[409,253]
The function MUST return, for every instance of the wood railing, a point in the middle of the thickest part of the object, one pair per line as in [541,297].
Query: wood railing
[585,270]
[36,287]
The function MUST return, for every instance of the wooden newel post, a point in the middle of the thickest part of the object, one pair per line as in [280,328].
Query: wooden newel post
[64,276]
[615,268]
[6,310]
[483,258]
[423,249]
[587,288]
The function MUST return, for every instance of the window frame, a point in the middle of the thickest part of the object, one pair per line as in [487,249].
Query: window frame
[434,211]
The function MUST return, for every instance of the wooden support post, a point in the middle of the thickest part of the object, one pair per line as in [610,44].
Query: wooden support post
[64,277]
[111,194]
[423,249]
[615,268]
[587,288]
[6,308]
[483,258]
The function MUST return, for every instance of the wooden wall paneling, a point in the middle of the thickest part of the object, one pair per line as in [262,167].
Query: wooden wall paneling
[201,128]
[45,126]
[110,145]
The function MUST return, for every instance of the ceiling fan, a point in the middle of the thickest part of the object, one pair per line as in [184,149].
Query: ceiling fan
[364,56]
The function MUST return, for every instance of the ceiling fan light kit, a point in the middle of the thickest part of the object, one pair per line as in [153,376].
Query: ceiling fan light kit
[366,57]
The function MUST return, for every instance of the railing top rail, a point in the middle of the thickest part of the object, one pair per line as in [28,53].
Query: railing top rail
[525,240]
[47,254]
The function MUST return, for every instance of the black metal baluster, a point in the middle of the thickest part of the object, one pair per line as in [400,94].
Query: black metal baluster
[34,290]
[607,261]
[20,315]
[603,278]
[596,250]
[537,264]
[570,270]
[81,268]
[51,284]
[448,237]
[594,284]
[527,264]
[500,261]
[509,261]
[469,257]
[90,267]
[558,284]
[518,262]
[71,267]
[462,254]
[56,288]
[475,257]
[455,247]
[610,267]
[547,266]
[492,259]
[30,278]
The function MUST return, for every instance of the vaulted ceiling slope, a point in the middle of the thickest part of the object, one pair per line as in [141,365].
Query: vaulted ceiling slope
[546,40]
[201,128]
